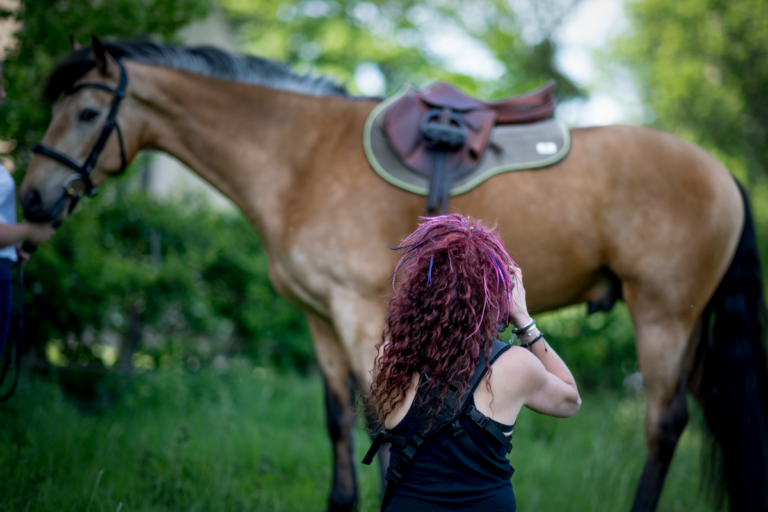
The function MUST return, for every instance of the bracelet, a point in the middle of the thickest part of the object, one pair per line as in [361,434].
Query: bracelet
[531,332]
[537,338]
[526,327]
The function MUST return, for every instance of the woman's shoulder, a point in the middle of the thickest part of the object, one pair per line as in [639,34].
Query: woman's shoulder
[518,367]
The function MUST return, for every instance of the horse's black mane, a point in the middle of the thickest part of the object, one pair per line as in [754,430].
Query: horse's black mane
[204,60]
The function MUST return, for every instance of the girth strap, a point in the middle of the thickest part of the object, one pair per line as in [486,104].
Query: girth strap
[443,130]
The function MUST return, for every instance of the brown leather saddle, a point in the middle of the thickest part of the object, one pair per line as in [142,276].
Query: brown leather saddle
[443,134]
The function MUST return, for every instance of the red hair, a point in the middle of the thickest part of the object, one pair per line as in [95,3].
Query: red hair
[453,301]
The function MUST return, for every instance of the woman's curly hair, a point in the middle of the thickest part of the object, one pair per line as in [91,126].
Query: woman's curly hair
[453,301]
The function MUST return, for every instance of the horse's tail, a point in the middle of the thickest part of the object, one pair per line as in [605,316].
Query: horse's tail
[734,379]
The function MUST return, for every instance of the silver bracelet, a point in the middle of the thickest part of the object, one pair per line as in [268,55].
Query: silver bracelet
[521,330]
[532,331]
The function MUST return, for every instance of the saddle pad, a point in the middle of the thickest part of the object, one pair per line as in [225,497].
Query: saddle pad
[512,148]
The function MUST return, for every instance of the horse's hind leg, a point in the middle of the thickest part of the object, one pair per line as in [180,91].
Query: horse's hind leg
[339,403]
[662,340]
[666,417]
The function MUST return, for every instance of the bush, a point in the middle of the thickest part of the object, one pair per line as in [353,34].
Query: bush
[131,278]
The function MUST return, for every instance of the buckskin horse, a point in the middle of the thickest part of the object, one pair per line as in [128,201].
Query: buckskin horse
[630,212]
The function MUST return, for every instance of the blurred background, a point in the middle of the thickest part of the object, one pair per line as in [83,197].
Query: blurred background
[162,371]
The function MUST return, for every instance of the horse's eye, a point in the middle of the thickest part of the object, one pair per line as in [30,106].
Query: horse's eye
[88,114]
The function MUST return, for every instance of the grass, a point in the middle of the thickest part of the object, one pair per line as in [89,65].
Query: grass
[252,440]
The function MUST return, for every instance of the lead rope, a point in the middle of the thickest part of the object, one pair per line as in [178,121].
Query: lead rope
[16,336]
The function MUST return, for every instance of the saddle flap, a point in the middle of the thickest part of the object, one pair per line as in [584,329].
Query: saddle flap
[443,94]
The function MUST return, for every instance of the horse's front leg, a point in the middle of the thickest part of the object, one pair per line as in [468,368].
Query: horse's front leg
[358,321]
[339,403]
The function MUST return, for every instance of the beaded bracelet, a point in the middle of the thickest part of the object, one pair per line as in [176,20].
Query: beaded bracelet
[534,340]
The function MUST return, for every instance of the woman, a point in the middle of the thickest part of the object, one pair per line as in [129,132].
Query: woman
[11,237]
[448,413]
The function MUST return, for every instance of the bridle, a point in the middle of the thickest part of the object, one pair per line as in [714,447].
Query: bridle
[83,172]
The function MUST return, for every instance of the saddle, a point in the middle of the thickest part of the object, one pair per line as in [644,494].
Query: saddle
[443,134]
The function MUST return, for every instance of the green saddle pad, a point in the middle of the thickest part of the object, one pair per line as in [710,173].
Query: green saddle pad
[514,147]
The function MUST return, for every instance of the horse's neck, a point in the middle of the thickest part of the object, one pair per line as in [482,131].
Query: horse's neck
[252,143]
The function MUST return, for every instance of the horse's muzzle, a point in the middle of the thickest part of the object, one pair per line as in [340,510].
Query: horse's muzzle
[35,209]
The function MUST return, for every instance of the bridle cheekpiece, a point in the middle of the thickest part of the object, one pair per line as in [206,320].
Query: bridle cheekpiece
[83,172]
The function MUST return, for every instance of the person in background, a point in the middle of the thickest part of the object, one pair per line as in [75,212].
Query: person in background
[12,235]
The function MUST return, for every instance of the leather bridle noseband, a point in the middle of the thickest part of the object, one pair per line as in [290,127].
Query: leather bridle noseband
[83,172]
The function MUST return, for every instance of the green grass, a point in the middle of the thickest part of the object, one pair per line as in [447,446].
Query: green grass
[248,440]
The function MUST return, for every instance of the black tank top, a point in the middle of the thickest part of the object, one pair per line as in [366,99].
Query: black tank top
[445,477]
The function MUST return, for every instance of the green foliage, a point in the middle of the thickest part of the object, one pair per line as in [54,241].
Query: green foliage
[43,41]
[703,70]
[599,349]
[173,278]
[252,440]
[335,37]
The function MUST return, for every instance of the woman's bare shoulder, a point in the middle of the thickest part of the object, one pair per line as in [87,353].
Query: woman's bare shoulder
[519,368]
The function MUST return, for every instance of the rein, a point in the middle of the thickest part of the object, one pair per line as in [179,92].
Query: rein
[83,172]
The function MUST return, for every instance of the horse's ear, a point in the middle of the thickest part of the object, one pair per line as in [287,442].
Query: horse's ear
[105,63]
[73,44]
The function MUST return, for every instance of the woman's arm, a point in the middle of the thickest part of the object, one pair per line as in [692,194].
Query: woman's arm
[11,234]
[550,386]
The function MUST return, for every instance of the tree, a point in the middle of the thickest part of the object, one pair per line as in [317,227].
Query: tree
[43,41]
[703,69]
[398,36]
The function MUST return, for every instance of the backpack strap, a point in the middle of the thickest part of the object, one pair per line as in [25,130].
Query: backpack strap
[486,424]
[498,348]
[399,466]
[481,420]
[504,472]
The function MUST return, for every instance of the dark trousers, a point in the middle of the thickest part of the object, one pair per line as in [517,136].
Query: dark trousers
[6,300]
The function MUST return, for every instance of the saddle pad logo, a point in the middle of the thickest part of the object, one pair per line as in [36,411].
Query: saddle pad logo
[546,148]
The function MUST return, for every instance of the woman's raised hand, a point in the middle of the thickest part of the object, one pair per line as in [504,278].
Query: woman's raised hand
[518,309]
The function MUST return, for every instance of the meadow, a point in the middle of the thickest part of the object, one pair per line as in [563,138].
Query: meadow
[250,439]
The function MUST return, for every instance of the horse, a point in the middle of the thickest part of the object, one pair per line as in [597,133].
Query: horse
[631,212]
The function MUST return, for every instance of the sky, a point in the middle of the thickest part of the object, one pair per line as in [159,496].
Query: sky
[589,29]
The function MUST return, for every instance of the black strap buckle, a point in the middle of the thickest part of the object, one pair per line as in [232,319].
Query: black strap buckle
[444,132]
[380,438]
[394,476]
[481,419]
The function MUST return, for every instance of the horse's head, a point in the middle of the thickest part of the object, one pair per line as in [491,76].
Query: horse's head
[86,140]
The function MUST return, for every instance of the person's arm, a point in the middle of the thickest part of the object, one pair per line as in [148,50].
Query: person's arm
[12,234]
[551,388]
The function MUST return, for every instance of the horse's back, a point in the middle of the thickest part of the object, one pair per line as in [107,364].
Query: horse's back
[643,203]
